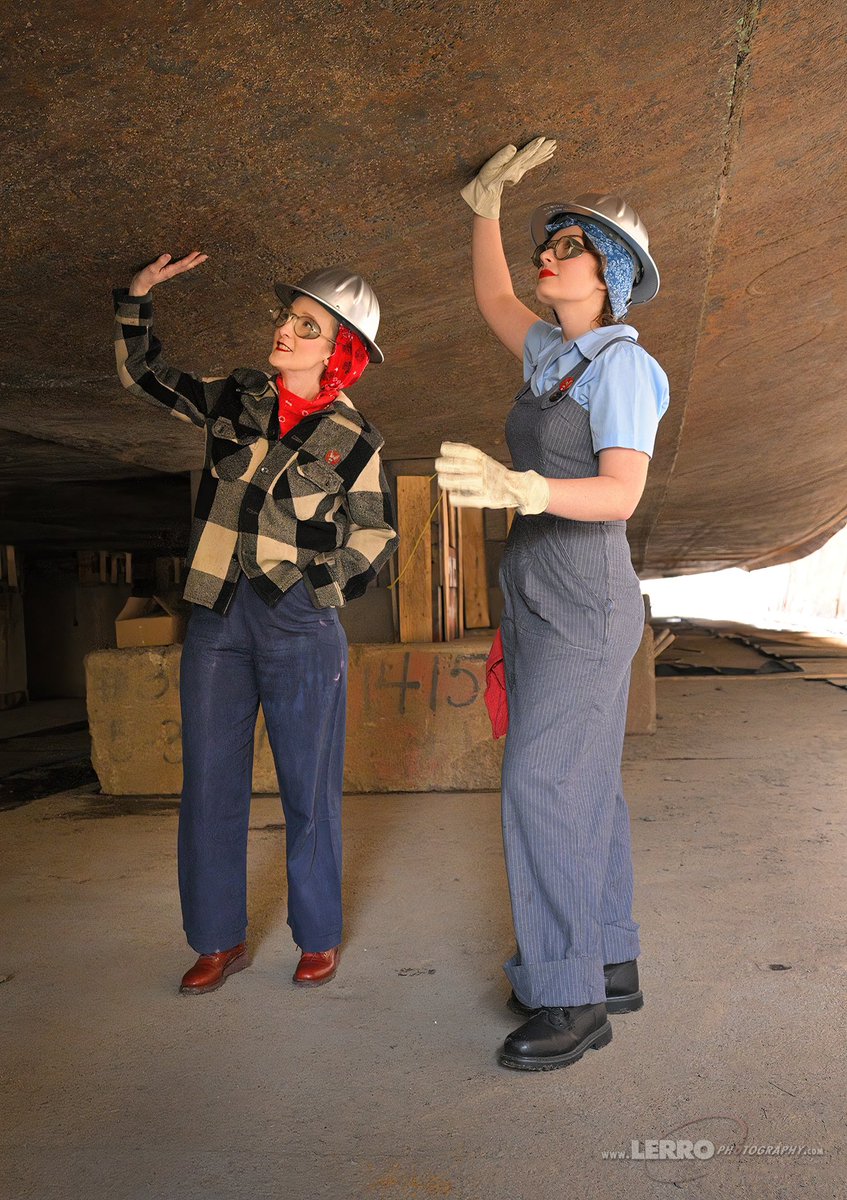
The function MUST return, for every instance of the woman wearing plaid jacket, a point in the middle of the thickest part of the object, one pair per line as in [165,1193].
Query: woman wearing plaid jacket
[293,518]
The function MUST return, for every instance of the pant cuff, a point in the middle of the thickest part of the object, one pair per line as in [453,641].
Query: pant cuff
[620,943]
[316,945]
[568,982]
[215,944]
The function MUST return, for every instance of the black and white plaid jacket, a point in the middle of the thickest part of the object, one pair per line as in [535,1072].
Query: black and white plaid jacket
[314,504]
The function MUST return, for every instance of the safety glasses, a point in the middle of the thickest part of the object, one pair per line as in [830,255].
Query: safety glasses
[562,247]
[304,327]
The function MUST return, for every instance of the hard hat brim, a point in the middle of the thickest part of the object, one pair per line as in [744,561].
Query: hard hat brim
[648,284]
[287,291]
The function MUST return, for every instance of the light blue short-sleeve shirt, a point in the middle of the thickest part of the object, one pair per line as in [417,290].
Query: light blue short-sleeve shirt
[625,392]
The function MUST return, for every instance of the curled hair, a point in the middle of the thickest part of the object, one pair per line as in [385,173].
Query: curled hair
[607,317]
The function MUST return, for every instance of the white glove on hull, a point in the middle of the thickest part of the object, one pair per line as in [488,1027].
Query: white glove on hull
[473,480]
[508,165]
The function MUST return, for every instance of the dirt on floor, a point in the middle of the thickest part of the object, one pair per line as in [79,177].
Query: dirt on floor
[384,1083]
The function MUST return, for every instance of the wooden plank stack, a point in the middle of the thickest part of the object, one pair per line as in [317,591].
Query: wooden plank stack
[745,652]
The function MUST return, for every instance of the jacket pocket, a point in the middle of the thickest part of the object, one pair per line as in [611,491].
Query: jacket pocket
[223,428]
[321,476]
[230,451]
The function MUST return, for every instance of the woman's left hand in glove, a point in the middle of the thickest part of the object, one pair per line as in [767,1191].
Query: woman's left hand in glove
[474,480]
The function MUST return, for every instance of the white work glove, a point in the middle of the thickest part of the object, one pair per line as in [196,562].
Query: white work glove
[473,480]
[507,166]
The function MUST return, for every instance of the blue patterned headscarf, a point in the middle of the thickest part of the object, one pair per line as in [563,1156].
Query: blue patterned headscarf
[619,268]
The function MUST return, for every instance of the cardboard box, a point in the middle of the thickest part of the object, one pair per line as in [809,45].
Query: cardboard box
[149,621]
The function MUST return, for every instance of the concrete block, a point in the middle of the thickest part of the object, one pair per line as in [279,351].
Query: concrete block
[641,712]
[416,721]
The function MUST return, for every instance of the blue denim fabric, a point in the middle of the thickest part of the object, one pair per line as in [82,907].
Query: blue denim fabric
[293,659]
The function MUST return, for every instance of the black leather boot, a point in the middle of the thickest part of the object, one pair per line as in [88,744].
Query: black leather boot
[623,994]
[556,1037]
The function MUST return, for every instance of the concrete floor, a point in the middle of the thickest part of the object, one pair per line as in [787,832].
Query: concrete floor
[384,1083]
[44,747]
[38,716]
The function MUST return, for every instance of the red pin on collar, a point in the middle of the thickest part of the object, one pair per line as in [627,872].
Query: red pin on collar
[332,457]
[566,383]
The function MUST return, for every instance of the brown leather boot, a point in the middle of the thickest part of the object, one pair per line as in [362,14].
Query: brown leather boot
[316,967]
[210,971]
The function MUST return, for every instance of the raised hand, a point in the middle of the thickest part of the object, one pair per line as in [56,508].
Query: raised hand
[162,269]
[508,165]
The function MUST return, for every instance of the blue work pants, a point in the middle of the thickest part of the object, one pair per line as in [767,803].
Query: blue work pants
[292,659]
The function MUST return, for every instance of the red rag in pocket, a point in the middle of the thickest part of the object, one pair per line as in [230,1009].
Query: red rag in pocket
[496,700]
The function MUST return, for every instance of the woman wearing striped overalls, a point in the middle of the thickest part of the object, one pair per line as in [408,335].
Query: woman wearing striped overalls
[580,433]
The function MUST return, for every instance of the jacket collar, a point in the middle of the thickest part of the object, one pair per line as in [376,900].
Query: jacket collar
[344,407]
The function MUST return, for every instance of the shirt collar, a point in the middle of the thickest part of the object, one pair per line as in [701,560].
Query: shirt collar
[591,343]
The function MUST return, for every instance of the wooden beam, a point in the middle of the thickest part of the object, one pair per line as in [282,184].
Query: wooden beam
[449,590]
[474,572]
[415,586]
[663,639]
[460,572]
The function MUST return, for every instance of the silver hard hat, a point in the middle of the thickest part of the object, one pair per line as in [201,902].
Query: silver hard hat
[347,296]
[621,220]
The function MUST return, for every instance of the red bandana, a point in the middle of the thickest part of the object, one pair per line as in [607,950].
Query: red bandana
[347,362]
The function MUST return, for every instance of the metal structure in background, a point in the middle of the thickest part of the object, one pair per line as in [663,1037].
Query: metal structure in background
[281,139]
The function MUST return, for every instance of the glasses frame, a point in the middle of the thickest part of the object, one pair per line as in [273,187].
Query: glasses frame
[294,317]
[574,249]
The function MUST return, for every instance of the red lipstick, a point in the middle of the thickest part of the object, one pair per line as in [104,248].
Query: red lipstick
[545,274]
